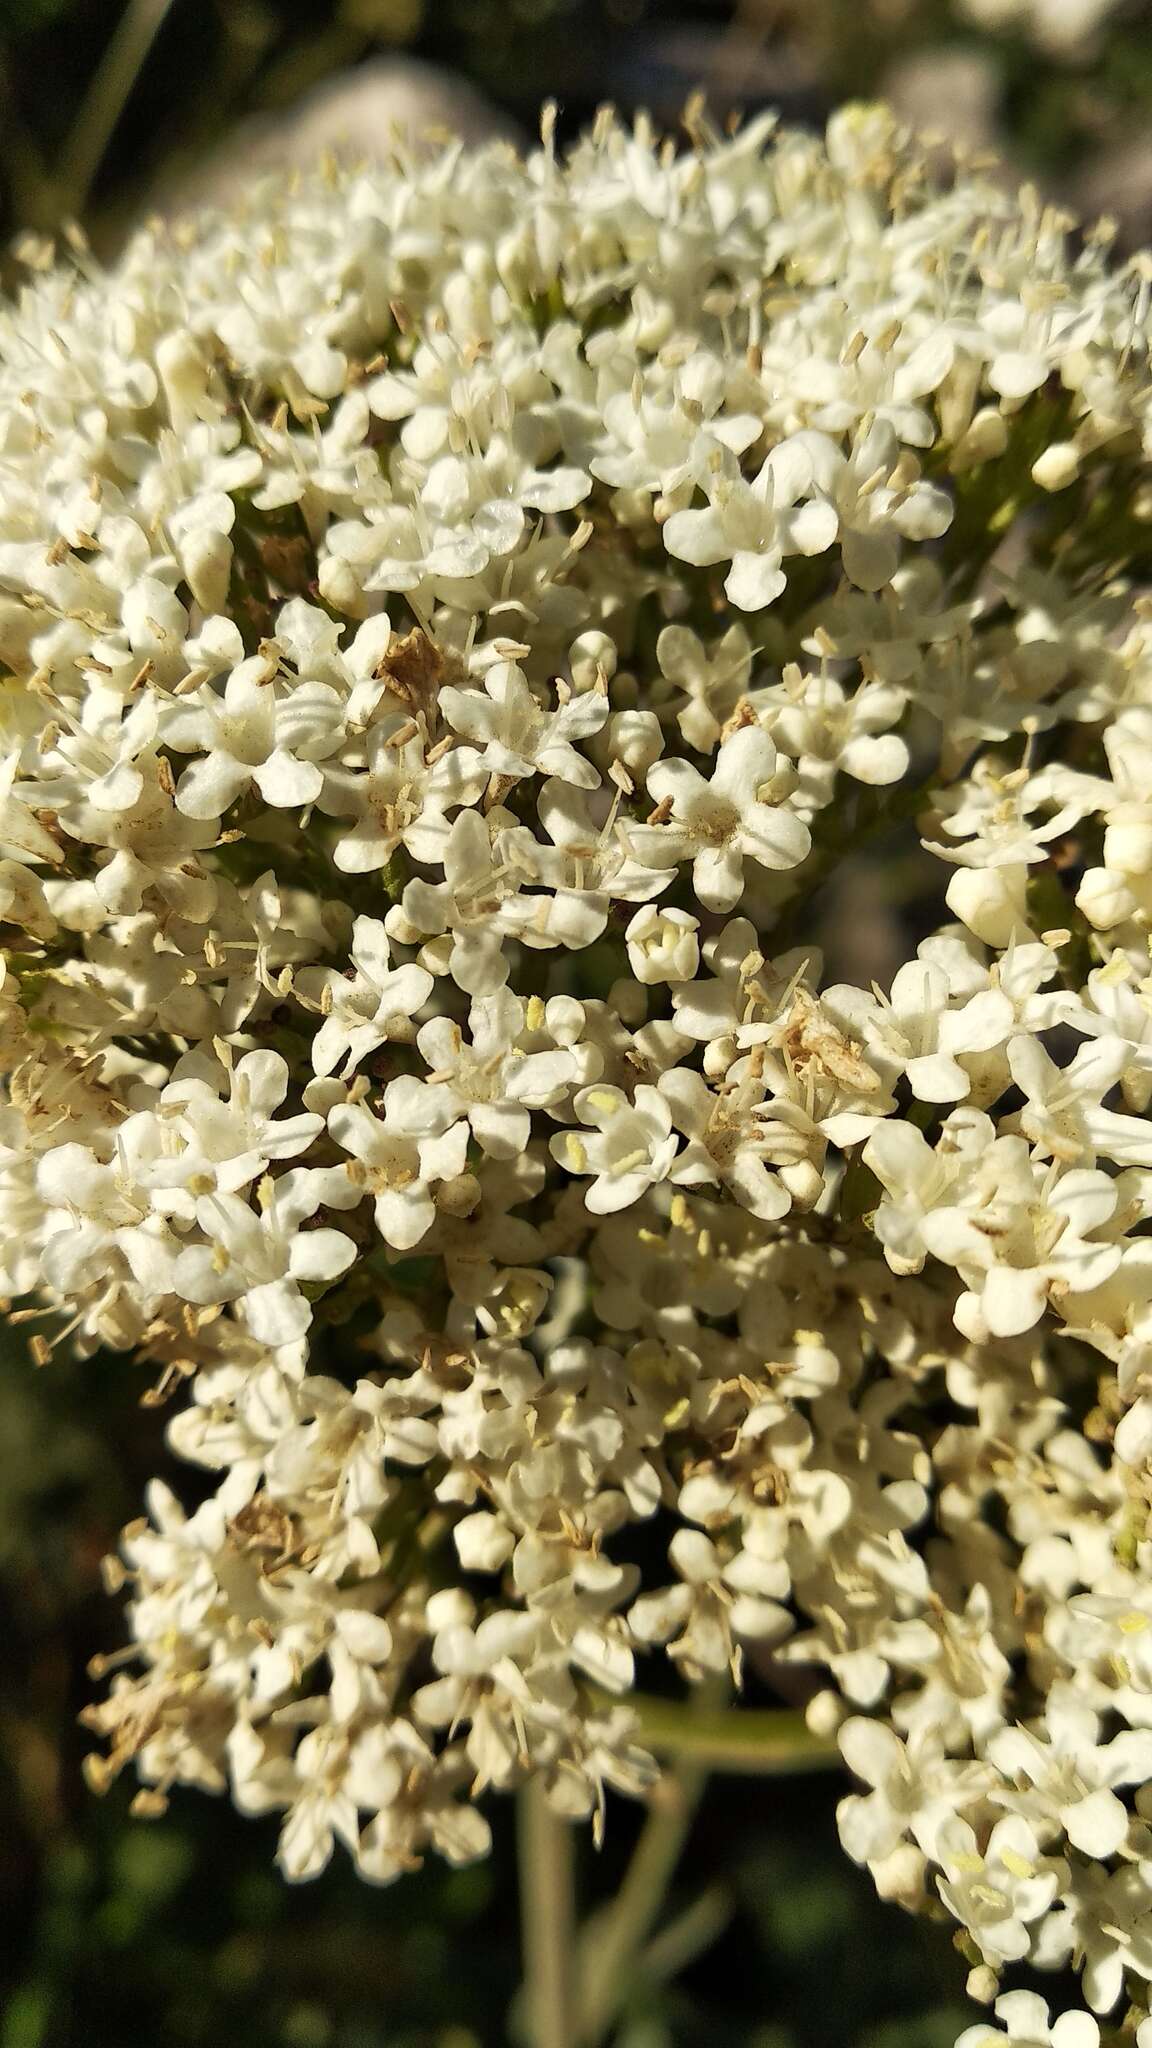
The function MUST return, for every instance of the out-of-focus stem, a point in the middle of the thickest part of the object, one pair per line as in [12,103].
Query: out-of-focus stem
[613,1945]
[547,1919]
[106,99]
[759,1742]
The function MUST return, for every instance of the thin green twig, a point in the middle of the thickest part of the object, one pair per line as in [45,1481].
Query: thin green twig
[688,1935]
[105,101]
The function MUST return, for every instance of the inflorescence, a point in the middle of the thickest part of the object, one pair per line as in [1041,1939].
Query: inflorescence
[459,620]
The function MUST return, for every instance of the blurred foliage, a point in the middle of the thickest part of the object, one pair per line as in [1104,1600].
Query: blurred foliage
[25,15]
[179,1932]
[1055,110]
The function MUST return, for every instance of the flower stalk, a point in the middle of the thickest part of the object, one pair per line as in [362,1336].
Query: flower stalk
[546,1862]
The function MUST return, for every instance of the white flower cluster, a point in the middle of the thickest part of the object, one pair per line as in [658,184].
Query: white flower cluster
[456,618]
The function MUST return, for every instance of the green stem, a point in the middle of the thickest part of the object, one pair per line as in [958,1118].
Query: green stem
[758,1742]
[687,1936]
[547,1919]
[611,1949]
[105,100]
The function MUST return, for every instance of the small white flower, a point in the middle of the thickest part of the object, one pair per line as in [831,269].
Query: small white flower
[253,734]
[395,1166]
[229,1144]
[465,919]
[490,1081]
[1066,1782]
[514,732]
[722,822]
[631,1145]
[261,1258]
[712,680]
[1025,2024]
[733,1131]
[909,1790]
[1063,1115]
[754,525]
[828,733]
[662,945]
[918,1029]
[377,1001]
[879,499]
[399,797]
[996,1892]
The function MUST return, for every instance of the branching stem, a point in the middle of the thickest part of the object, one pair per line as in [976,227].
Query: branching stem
[612,1946]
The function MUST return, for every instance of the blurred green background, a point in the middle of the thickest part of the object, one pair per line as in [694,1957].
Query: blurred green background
[178,1932]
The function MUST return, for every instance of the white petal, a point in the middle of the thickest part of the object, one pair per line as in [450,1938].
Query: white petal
[812,528]
[1013,1301]
[208,786]
[320,1255]
[696,536]
[286,783]
[404,1215]
[1097,1825]
[276,1313]
[755,580]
